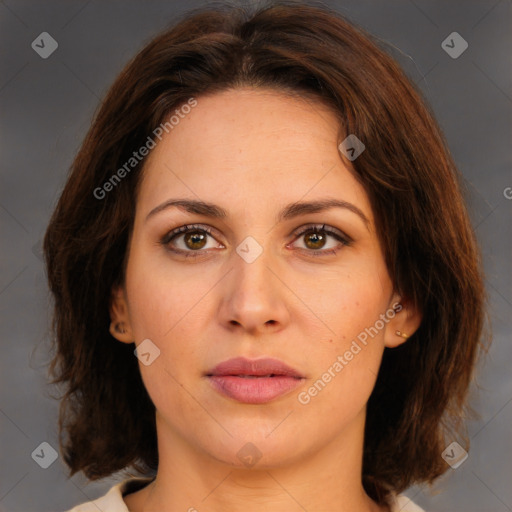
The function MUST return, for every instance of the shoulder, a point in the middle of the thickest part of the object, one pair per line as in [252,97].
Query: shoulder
[401,503]
[113,499]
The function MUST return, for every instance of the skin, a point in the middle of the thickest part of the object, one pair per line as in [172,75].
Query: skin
[253,151]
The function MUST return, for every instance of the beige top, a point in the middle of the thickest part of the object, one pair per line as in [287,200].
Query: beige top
[113,500]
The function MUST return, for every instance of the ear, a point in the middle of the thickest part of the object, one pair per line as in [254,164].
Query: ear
[403,324]
[120,326]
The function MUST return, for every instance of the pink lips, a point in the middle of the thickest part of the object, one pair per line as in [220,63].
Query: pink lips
[254,381]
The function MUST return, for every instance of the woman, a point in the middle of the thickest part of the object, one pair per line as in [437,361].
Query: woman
[267,291]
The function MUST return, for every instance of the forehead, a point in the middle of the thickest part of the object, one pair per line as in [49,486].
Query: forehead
[261,145]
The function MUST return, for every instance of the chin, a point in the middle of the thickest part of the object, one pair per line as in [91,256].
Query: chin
[256,456]
[256,449]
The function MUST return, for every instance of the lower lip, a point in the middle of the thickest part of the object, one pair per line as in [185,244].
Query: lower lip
[254,390]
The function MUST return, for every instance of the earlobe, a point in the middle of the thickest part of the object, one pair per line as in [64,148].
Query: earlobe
[120,327]
[403,324]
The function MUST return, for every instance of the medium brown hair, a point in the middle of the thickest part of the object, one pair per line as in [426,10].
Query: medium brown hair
[106,415]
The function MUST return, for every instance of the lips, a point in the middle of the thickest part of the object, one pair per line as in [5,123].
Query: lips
[254,381]
[241,366]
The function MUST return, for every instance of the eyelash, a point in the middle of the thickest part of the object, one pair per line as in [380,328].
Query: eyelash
[338,235]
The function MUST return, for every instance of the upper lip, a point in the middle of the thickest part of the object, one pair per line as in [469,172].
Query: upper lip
[257,367]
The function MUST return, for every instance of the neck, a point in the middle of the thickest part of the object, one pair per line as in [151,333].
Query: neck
[189,479]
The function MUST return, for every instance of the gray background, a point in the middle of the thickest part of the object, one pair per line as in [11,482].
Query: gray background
[46,108]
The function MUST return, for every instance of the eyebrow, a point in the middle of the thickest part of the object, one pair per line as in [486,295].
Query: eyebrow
[290,211]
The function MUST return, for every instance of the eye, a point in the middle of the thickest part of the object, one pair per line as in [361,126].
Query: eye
[315,238]
[189,240]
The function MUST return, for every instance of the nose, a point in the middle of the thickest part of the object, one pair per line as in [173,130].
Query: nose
[254,297]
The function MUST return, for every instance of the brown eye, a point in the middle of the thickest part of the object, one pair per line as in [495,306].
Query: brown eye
[315,238]
[195,240]
[189,240]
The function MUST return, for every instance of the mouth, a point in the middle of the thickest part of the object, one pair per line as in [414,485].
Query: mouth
[254,381]
[255,376]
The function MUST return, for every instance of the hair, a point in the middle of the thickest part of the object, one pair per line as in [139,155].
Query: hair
[411,180]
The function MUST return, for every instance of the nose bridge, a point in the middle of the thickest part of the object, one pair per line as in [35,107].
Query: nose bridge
[254,298]
[252,277]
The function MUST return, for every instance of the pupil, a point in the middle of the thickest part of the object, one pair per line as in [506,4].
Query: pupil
[195,238]
[316,239]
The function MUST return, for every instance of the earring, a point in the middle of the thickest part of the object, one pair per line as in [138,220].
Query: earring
[402,334]
[119,328]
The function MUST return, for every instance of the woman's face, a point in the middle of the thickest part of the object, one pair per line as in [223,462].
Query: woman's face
[261,284]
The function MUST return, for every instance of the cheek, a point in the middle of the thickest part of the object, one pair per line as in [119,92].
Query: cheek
[162,309]
[348,355]
[159,300]
[347,359]
[350,303]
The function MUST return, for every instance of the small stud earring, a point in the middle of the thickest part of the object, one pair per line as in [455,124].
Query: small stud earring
[402,334]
